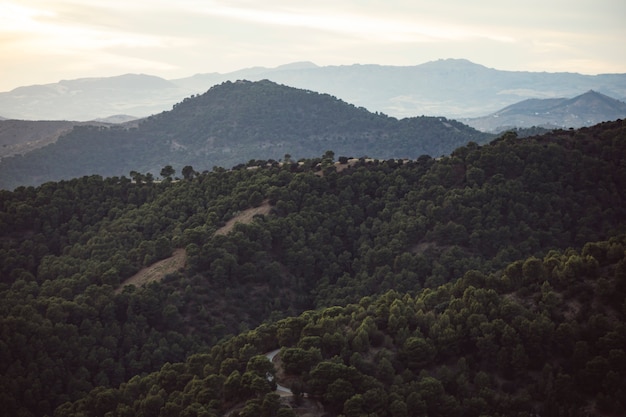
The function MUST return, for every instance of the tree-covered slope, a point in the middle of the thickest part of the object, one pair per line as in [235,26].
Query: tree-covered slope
[233,123]
[543,337]
[336,235]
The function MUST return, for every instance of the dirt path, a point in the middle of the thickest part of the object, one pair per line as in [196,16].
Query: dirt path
[158,270]
[245,217]
[280,389]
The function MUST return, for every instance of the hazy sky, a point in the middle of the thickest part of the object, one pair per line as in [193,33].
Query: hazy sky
[43,41]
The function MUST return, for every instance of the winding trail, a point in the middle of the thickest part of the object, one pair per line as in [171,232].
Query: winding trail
[281,390]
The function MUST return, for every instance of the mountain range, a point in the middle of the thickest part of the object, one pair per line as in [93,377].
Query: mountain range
[231,124]
[454,88]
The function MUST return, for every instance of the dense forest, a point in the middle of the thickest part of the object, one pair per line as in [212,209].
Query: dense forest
[230,124]
[488,282]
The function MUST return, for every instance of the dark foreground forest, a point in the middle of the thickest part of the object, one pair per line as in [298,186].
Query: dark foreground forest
[489,282]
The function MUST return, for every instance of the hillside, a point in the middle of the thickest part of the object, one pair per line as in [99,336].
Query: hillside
[487,282]
[517,343]
[18,137]
[231,124]
[454,88]
[584,110]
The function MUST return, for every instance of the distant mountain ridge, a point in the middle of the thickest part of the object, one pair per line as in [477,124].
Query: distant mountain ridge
[586,109]
[88,99]
[234,123]
[454,88]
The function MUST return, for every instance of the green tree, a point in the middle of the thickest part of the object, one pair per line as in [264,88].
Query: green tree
[337,393]
[167,172]
[354,406]
[260,365]
[418,352]
[188,172]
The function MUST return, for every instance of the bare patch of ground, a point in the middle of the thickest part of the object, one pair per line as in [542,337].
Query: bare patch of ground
[339,166]
[422,247]
[245,217]
[157,271]
[351,162]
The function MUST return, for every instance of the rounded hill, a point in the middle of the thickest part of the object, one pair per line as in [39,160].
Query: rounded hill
[233,123]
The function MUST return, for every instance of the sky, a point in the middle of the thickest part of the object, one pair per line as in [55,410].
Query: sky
[44,41]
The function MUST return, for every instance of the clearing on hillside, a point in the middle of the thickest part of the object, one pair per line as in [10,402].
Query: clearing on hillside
[245,217]
[158,270]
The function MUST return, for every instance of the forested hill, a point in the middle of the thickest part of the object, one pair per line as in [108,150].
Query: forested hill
[488,282]
[233,123]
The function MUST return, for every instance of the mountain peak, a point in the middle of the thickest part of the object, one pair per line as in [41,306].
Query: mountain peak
[595,100]
[297,66]
[585,109]
[451,63]
[591,93]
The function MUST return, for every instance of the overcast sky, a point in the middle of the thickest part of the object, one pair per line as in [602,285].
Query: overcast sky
[43,41]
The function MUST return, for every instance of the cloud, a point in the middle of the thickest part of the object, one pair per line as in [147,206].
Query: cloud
[49,32]
[354,24]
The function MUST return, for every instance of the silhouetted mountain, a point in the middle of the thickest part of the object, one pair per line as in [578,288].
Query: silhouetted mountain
[453,88]
[584,110]
[231,124]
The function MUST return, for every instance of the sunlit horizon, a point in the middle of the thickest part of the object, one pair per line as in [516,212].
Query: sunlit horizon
[44,42]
